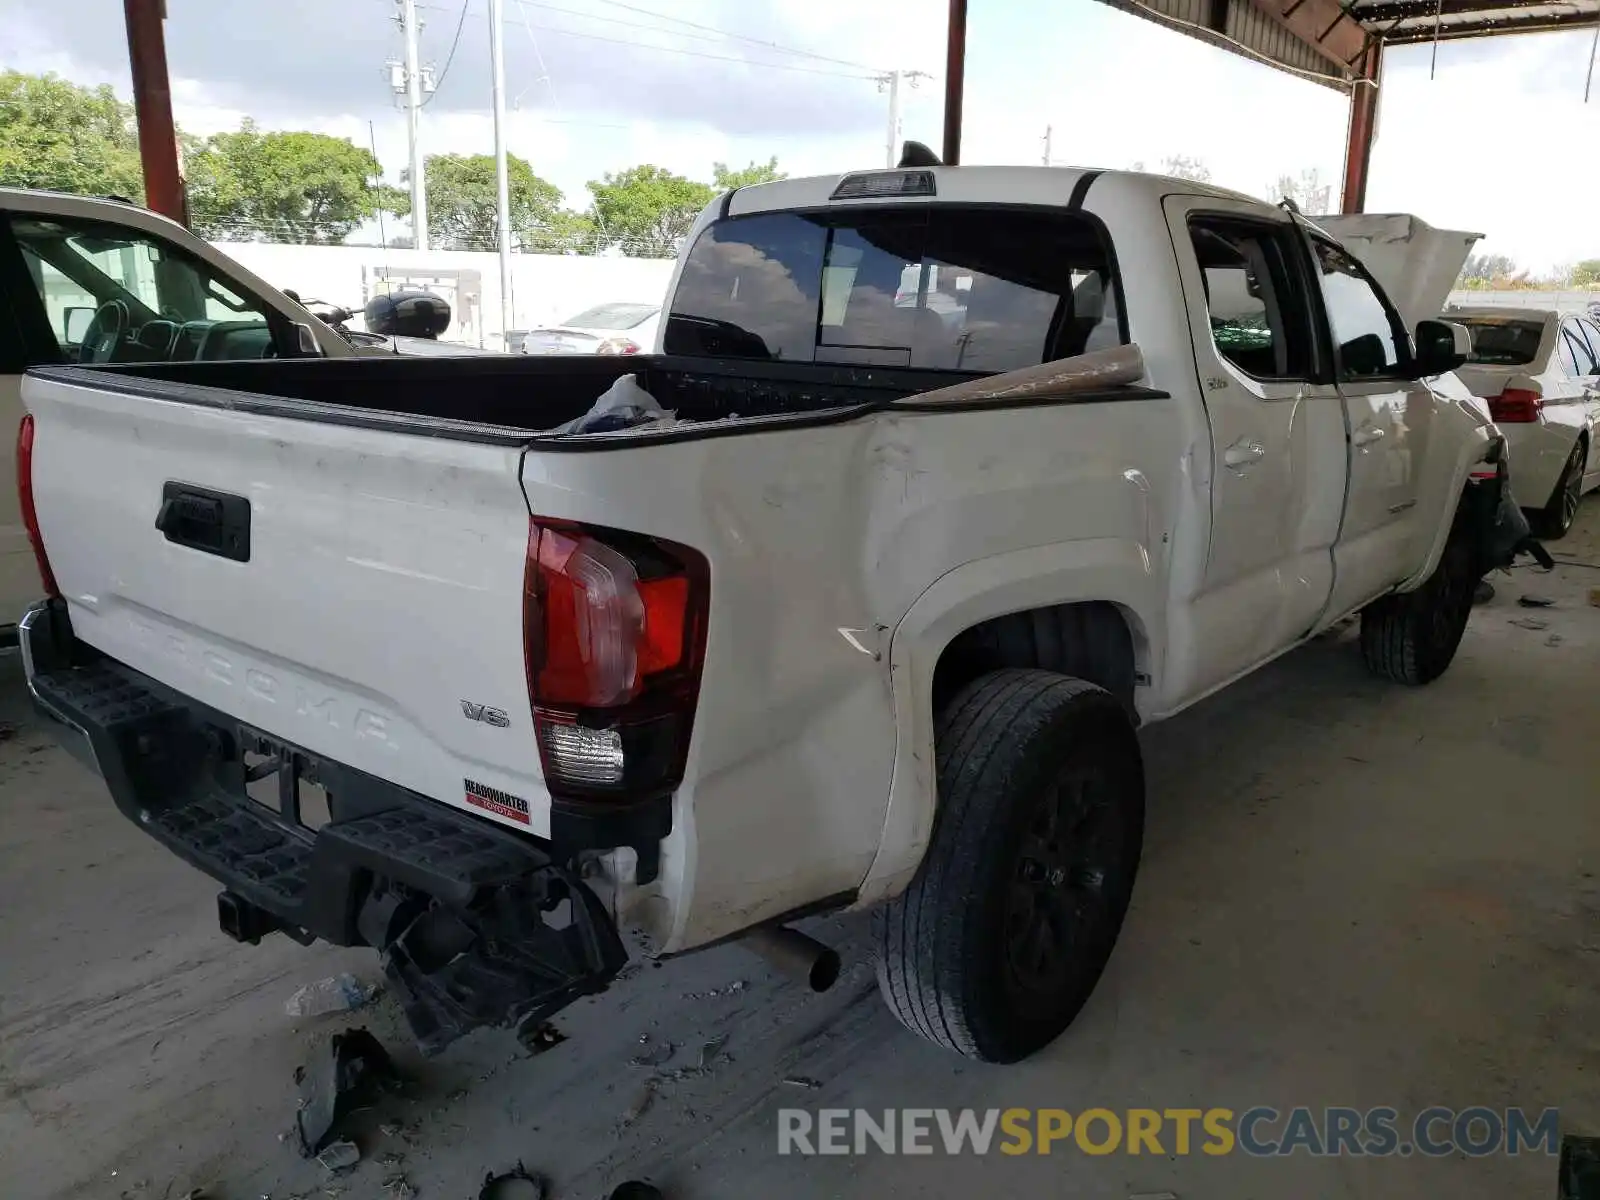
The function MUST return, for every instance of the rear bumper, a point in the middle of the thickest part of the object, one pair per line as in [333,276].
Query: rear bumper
[460,910]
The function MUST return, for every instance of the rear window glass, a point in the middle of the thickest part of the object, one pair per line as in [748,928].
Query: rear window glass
[1503,343]
[930,288]
[612,316]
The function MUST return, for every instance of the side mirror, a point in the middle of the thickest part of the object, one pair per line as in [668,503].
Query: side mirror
[75,324]
[1441,346]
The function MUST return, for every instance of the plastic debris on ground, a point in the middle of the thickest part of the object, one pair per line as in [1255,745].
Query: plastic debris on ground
[337,993]
[623,405]
[519,1183]
[709,1050]
[1536,602]
[349,1067]
[802,1081]
[340,1156]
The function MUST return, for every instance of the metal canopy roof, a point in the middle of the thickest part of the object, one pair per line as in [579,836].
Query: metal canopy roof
[1399,22]
[1328,40]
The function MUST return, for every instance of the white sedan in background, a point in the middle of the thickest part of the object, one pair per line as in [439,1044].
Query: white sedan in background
[1539,371]
[618,328]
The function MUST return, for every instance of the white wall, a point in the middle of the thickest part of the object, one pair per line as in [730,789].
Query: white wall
[1574,301]
[545,288]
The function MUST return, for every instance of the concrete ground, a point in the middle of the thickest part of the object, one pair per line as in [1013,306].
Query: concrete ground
[1352,893]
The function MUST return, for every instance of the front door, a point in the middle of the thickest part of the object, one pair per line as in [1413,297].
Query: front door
[1277,444]
[1388,415]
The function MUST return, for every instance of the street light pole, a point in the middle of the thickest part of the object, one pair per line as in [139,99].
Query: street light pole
[419,191]
[502,183]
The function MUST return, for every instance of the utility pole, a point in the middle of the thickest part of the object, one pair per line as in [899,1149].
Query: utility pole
[419,192]
[891,81]
[1048,130]
[502,184]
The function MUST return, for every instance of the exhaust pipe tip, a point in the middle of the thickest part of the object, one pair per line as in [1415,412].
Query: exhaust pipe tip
[796,955]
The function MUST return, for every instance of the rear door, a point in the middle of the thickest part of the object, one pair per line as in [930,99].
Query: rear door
[1387,416]
[1277,431]
[1585,342]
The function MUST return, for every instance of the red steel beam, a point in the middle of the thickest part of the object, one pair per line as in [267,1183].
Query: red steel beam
[955,82]
[152,105]
[1363,124]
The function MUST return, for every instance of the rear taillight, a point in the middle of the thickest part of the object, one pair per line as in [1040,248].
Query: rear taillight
[618,346]
[1515,406]
[614,631]
[30,513]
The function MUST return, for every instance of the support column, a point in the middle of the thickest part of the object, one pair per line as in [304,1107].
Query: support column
[955,69]
[1363,127]
[152,105]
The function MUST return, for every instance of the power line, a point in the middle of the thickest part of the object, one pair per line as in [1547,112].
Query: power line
[438,83]
[595,37]
[720,34]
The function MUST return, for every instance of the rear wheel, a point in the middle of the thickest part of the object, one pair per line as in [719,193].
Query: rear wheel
[1003,934]
[1412,637]
[1555,519]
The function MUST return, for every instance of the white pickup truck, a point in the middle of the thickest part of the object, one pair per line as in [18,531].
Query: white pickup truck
[971,472]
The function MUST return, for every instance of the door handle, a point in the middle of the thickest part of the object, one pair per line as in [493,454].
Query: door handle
[1246,452]
[1366,435]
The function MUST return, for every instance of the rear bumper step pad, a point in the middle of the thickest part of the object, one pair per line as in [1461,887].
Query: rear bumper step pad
[476,926]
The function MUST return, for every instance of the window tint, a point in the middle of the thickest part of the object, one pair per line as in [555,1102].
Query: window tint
[113,294]
[1591,332]
[961,289]
[1503,342]
[1566,354]
[612,316]
[1367,334]
[1583,358]
[1253,296]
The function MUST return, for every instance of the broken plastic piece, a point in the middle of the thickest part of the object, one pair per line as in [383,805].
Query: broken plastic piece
[340,1156]
[623,405]
[519,1183]
[337,993]
[348,1067]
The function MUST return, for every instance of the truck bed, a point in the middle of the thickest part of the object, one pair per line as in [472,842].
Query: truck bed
[515,396]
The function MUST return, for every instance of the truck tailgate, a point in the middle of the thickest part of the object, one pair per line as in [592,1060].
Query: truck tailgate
[364,603]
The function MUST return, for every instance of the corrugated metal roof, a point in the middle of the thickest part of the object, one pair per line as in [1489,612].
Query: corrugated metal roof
[1324,40]
[1399,22]
[1242,27]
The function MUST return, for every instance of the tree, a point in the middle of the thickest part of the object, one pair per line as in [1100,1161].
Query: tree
[725,180]
[1497,271]
[300,187]
[1587,273]
[462,200]
[648,209]
[570,232]
[1309,193]
[54,134]
[1179,166]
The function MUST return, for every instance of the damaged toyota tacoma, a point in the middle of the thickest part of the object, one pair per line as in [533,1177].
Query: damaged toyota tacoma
[940,483]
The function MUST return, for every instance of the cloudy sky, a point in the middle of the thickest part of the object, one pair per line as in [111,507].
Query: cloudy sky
[1499,141]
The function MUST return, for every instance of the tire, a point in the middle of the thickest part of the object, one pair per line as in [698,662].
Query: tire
[1412,637]
[1555,519]
[1014,911]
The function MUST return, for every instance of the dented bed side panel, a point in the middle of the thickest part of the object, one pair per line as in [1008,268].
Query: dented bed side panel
[820,541]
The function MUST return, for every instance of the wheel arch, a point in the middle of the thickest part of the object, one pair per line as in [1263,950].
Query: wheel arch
[1046,607]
